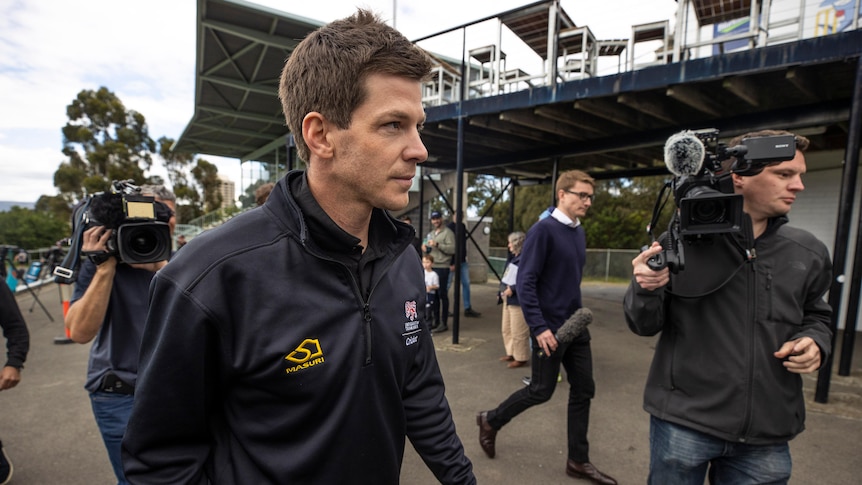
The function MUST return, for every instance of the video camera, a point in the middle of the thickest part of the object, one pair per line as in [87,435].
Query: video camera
[140,231]
[703,188]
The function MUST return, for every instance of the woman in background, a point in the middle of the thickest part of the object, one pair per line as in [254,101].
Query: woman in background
[516,334]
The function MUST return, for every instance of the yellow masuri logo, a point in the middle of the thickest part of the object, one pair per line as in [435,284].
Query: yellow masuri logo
[307,350]
[306,355]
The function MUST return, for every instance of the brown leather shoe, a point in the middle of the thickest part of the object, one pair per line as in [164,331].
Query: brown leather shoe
[506,358]
[487,434]
[516,363]
[587,471]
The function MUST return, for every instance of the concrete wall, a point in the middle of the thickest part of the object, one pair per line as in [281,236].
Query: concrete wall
[478,266]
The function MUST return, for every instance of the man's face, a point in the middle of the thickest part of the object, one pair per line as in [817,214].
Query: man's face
[569,200]
[436,222]
[374,160]
[771,192]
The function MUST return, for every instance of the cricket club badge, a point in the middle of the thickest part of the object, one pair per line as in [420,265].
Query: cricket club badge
[410,310]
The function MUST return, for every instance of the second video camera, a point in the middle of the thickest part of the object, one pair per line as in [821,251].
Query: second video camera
[703,188]
[139,224]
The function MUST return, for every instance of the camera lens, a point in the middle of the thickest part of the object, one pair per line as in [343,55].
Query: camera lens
[146,242]
[708,211]
[143,241]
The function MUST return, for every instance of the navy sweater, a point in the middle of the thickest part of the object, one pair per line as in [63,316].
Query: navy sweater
[549,276]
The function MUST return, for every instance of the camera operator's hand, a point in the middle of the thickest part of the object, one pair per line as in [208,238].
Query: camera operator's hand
[86,315]
[96,239]
[801,356]
[644,275]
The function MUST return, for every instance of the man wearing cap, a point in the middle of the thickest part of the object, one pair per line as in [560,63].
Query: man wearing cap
[440,244]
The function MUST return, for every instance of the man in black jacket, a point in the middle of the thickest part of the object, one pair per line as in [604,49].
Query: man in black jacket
[288,344]
[17,346]
[737,329]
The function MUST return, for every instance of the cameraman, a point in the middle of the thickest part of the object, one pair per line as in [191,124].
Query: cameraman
[724,390]
[109,304]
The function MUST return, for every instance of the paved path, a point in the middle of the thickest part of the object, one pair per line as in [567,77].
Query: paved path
[48,430]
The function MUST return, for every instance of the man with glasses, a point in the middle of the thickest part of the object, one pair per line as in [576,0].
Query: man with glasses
[549,290]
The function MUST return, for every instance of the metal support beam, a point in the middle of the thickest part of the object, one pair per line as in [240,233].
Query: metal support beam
[842,231]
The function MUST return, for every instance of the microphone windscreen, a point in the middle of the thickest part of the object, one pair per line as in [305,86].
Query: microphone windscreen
[684,153]
[574,325]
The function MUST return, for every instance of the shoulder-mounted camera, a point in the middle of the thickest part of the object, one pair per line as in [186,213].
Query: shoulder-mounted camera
[703,189]
[139,225]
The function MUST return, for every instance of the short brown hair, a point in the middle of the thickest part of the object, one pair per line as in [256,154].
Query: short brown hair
[262,193]
[571,177]
[326,72]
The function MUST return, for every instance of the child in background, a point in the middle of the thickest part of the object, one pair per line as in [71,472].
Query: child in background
[432,284]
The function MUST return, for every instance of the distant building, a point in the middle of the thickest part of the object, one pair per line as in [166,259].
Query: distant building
[227,189]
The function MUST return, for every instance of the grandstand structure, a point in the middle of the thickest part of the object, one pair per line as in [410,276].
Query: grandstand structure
[712,66]
[576,100]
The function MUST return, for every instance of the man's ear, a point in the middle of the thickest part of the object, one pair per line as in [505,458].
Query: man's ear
[738,181]
[315,128]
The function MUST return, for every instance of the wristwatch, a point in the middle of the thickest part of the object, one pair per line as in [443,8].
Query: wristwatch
[98,259]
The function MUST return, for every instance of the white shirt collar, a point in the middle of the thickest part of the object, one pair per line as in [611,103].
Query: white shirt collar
[560,216]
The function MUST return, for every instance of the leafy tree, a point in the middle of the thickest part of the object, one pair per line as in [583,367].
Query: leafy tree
[616,220]
[622,211]
[103,142]
[206,175]
[177,163]
[56,205]
[30,229]
[530,201]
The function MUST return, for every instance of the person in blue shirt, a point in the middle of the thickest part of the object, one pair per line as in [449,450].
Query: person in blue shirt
[549,290]
[109,308]
[465,266]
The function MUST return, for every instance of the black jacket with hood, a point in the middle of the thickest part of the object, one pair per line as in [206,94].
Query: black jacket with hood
[713,368]
[263,362]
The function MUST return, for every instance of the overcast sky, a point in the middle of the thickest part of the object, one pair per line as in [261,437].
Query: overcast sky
[144,52]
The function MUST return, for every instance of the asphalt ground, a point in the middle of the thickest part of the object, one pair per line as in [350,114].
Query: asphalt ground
[48,430]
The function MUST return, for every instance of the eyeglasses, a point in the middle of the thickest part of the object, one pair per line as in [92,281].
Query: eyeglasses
[582,195]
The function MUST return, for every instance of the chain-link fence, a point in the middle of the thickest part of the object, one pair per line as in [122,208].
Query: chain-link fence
[602,264]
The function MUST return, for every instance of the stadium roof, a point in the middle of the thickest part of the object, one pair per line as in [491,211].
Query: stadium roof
[612,125]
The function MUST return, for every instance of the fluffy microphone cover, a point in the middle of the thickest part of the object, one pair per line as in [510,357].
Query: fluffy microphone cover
[684,153]
[574,325]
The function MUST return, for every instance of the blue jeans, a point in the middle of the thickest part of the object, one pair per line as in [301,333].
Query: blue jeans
[465,284]
[112,415]
[680,455]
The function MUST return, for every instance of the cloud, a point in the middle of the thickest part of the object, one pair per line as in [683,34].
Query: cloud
[27,171]
[50,51]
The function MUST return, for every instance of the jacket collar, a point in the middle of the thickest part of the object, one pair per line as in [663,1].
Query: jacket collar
[292,202]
